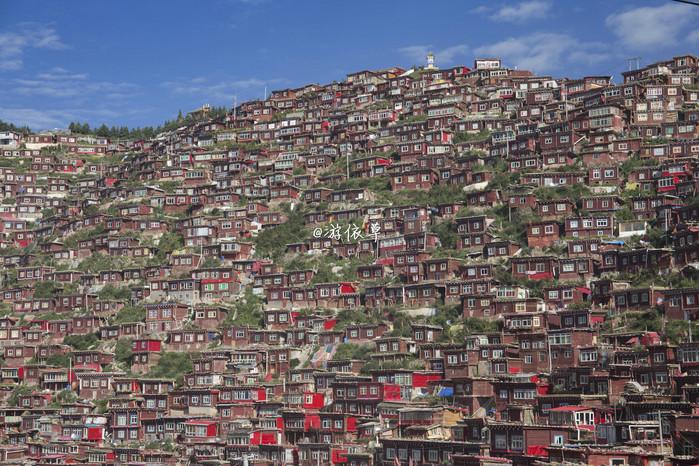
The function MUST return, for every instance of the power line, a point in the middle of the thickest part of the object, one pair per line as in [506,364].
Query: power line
[688,2]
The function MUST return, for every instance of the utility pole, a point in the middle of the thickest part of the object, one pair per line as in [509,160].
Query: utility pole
[689,323]
[660,426]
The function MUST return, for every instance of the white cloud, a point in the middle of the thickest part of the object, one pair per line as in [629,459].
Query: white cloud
[14,44]
[446,56]
[34,118]
[523,11]
[202,88]
[417,53]
[59,83]
[652,27]
[39,119]
[545,51]
[693,36]
[53,98]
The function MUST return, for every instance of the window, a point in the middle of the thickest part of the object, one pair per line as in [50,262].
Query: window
[517,443]
[524,394]
[559,339]
[501,441]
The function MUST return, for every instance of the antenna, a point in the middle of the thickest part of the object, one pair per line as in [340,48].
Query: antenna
[633,63]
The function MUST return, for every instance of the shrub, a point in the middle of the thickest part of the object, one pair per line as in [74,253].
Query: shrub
[60,360]
[246,311]
[81,342]
[45,289]
[19,390]
[172,366]
[353,351]
[271,242]
[123,351]
[130,314]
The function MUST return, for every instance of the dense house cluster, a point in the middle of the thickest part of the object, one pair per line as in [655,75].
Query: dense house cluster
[464,266]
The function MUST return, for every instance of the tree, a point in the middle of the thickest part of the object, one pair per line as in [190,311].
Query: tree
[103,131]
[101,405]
[81,342]
[478,325]
[172,366]
[246,311]
[130,314]
[353,351]
[45,289]
[448,235]
[64,396]
[5,126]
[401,325]
[115,292]
[19,390]
[168,243]
[123,351]
[98,262]
[324,273]
[271,242]
[211,262]
[60,360]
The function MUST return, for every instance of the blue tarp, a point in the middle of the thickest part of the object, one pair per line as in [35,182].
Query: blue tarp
[446,391]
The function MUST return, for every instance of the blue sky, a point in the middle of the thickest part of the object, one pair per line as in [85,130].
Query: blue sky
[138,62]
